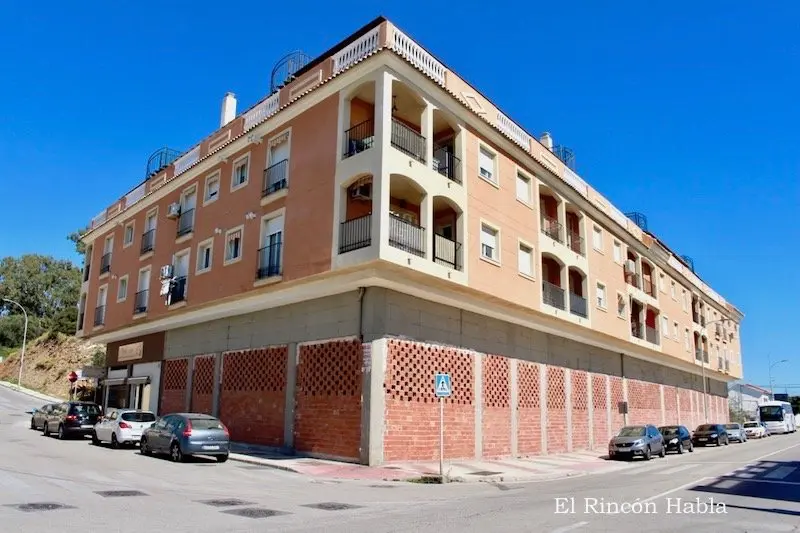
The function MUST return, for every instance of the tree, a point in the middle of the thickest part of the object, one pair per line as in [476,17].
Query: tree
[795,401]
[75,237]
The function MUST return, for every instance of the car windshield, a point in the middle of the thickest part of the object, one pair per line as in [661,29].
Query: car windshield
[771,413]
[205,423]
[731,426]
[632,431]
[138,417]
[706,427]
[86,409]
[751,424]
[668,430]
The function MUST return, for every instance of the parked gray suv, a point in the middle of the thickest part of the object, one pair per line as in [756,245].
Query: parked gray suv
[637,441]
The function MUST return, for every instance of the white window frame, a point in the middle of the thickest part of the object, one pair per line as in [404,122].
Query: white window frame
[597,230]
[102,289]
[686,344]
[673,292]
[489,225]
[229,261]
[276,140]
[664,330]
[524,244]
[494,178]
[684,303]
[624,298]
[211,178]
[601,303]
[236,164]
[188,253]
[125,242]
[617,251]
[139,288]
[524,177]
[661,285]
[207,244]
[676,331]
[127,288]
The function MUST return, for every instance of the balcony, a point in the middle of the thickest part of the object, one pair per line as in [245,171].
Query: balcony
[553,229]
[698,354]
[406,236]
[553,295]
[651,335]
[705,356]
[359,138]
[408,141]
[355,233]
[577,305]
[637,330]
[648,287]
[269,260]
[99,315]
[447,164]
[275,178]
[178,291]
[446,252]
[148,241]
[703,320]
[575,243]
[633,280]
[140,302]
[105,263]
[186,222]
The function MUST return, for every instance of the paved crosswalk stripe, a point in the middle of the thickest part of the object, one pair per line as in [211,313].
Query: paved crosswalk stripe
[782,472]
[673,470]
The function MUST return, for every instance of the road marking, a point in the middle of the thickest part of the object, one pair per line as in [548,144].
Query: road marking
[573,527]
[768,481]
[780,473]
[676,489]
[775,452]
[674,470]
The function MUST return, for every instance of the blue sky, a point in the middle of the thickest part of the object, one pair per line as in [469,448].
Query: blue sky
[687,114]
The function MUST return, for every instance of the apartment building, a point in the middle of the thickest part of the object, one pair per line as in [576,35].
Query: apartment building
[305,270]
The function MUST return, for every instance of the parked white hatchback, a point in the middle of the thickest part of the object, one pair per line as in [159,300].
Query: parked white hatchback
[122,427]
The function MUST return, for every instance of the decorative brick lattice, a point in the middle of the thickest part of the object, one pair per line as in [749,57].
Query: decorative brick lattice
[202,400]
[580,390]
[328,398]
[600,402]
[599,397]
[412,367]
[529,421]
[175,373]
[580,409]
[557,435]
[527,385]
[556,390]
[263,369]
[253,394]
[496,414]
[496,391]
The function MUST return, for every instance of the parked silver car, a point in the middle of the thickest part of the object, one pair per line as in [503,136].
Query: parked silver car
[736,432]
[185,434]
[637,441]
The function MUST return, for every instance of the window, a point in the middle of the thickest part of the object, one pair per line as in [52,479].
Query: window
[122,289]
[685,301]
[686,339]
[204,255]
[664,326]
[212,189]
[617,252]
[525,260]
[523,188]
[661,283]
[270,255]
[233,245]
[597,238]
[600,292]
[486,165]
[240,171]
[675,334]
[672,290]
[127,239]
[489,243]
[622,304]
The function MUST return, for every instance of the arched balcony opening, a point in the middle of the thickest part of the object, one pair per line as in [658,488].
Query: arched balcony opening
[355,231]
[553,293]
[630,270]
[577,293]
[550,207]
[405,215]
[698,347]
[648,284]
[651,325]
[407,110]
[359,120]
[448,233]
[695,309]
[704,344]
[574,230]
[445,160]
[637,319]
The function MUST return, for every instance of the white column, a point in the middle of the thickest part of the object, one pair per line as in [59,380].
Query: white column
[427,132]
[426,212]
[380,185]
[562,216]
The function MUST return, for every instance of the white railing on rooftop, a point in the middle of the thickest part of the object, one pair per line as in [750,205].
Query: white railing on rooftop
[186,160]
[517,134]
[576,181]
[262,111]
[99,219]
[135,195]
[355,51]
[418,57]
[618,215]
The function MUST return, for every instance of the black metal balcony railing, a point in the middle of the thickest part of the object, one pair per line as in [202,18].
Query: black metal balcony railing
[408,141]
[140,302]
[637,330]
[553,295]
[99,315]
[633,280]
[446,163]
[86,270]
[359,138]
[269,259]
[406,236]
[698,354]
[148,241]
[648,287]
[186,222]
[81,317]
[575,242]
[355,233]
[553,229]
[651,335]
[105,263]
[446,252]
[705,356]
[577,305]
[178,291]
[275,177]
[703,320]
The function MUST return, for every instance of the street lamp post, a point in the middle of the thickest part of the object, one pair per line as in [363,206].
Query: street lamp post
[771,365]
[24,340]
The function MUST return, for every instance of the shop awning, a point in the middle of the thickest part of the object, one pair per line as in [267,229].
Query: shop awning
[144,380]
[112,382]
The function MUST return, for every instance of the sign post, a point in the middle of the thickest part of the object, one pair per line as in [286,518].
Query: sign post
[72,377]
[442,390]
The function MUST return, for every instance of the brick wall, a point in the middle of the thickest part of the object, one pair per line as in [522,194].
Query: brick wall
[175,373]
[411,427]
[328,399]
[496,428]
[671,415]
[617,396]
[644,402]
[685,407]
[580,409]
[202,399]
[602,433]
[529,422]
[556,410]
[252,399]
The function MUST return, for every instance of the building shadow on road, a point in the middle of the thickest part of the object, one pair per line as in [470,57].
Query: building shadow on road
[766,480]
[787,512]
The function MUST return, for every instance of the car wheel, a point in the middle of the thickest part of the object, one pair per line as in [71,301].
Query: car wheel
[144,448]
[114,441]
[33,424]
[680,447]
[727,441]
[95,440]
[175,453]
[46,429]
[648,454]
[222,458]
[719,441]
[691,447]
[663,452]
[61,433]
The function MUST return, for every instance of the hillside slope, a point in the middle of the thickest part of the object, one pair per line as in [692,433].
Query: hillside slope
[49,359]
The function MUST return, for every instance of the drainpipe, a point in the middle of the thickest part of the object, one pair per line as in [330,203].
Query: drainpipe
[361,291]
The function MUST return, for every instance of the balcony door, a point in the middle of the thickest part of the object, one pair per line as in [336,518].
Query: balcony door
[144,281]
[181,266]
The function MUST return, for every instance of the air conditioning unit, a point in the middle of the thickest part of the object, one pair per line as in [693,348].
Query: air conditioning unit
[630,266]
[167,271]
[174,210]
[166,285]
[362,192]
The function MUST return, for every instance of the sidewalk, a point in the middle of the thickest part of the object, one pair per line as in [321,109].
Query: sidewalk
[38,395]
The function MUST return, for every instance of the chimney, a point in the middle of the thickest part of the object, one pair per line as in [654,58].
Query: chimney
[547,141]
[228,109]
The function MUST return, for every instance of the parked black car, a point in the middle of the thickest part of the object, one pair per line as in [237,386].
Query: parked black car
[677,438]
[38,416]
[710,434]
[72,419]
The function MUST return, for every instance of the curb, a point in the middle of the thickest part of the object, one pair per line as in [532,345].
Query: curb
[255,461]
[31,393]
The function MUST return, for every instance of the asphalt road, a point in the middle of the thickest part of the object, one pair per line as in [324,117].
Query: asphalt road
[758,483]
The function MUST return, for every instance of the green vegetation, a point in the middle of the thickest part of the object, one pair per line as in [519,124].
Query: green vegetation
[75,238]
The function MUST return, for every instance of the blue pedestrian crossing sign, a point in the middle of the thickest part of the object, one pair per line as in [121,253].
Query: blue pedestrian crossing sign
[442,386]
